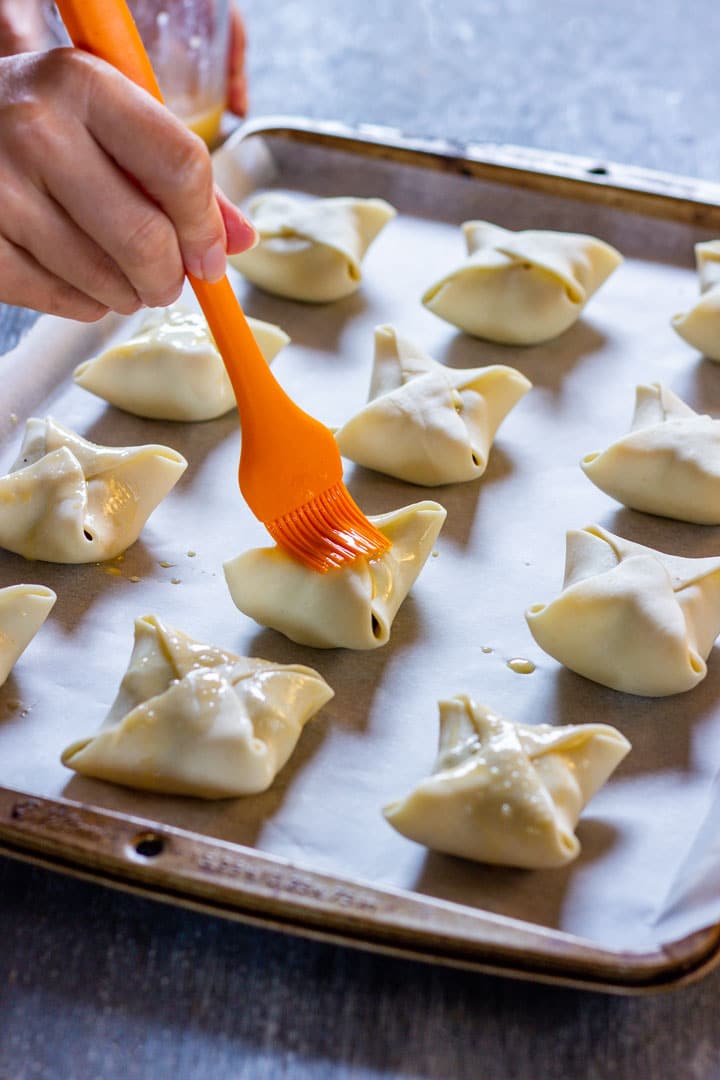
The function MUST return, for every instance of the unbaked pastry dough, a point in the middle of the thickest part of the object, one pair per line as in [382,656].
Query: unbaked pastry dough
[427,423]
[521,288]
[630,617]
[352,607]
[171,368]
[700,326]
[23,610]
[67,500]
[192,719]
[311,249]
[507,793]
[669,463]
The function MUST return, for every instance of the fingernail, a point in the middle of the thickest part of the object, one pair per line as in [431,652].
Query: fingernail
[247,234]
[214,262]
[241,235]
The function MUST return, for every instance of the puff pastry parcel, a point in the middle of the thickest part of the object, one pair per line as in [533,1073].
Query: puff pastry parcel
[311,249]
[630,617]
[507,793]
[351,607]
[427,423]
[669,463]
[171,369]
[23,610]
[521,288]
[67,500]
[192,719]
[700,326]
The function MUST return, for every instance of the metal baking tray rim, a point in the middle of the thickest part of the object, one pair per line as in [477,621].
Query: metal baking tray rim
[167,863]
[177,866]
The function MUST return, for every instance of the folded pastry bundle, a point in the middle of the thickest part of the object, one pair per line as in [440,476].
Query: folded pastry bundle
[427,423]
[193,719]
[630,617]
[23,610]
[521,288]
[67,500]
[507,793]
[700,326]
[171,369]
[311,249]
[668,464]
[352,607]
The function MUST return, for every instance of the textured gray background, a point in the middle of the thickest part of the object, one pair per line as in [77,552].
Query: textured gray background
[624,79]
[98,985]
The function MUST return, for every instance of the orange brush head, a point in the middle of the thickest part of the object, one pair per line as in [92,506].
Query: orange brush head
[328,531]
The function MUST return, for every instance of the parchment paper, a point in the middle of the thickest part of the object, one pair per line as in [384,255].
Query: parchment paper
[649,871]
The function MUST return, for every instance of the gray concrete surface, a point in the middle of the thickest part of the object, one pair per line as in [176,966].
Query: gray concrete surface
[95,985]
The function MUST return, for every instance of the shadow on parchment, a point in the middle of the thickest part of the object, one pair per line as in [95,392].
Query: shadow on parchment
[536,896]
[705,380]
[377,493]
[463,502]
[546,365]
[80,585]
[11,703]
[194,440]
[316,326]
[659,728]
[665,534]
[354,675]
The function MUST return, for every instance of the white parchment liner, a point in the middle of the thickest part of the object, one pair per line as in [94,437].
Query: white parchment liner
[650,867]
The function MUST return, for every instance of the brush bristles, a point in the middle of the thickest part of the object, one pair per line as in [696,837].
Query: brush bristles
[328,531]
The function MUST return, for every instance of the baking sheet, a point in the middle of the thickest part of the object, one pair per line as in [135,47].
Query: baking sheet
[650,866]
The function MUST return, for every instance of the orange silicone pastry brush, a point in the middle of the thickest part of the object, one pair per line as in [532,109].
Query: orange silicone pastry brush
[290,466]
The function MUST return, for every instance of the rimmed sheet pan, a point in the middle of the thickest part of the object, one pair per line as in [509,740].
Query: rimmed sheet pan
[640,909]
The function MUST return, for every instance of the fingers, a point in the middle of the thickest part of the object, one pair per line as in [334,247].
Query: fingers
[237,78]
[169,163]
[103,190]
[114,213]
[28,284]
[41,228]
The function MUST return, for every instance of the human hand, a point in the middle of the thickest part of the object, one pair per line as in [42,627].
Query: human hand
[107,197]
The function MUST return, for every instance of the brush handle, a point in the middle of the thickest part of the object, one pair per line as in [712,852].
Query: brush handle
[106,29]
